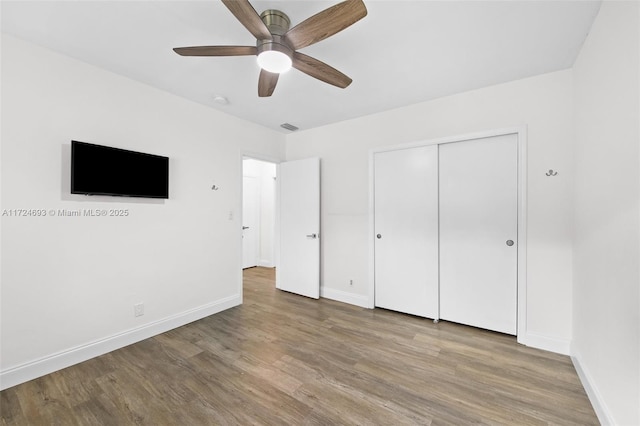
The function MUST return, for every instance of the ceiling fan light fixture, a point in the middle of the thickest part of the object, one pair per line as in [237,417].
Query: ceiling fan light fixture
[274,55]
[274,61]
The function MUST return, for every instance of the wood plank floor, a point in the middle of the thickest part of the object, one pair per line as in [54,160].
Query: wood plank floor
[282,359]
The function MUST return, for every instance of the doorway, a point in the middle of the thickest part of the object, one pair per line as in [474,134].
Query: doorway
[258,213]
[282,222]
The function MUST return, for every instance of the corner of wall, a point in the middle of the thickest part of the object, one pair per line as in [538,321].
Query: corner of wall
[596,399]
[547,343]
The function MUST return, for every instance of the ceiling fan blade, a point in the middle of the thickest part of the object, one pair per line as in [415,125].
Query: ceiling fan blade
[320,70]
[326,23]
[216,51]
[267,83]
[247,15]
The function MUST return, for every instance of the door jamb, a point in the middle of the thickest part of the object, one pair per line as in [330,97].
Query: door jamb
[521,132]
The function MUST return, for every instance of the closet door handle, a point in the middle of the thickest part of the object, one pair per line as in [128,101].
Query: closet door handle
[510,243]
[379,236]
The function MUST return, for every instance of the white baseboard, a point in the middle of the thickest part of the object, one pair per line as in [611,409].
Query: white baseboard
[345,297]
[601,409]
[54,362]
[547,343]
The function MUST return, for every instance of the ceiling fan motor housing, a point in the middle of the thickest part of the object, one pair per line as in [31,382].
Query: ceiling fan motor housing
[278,24]
[276,21]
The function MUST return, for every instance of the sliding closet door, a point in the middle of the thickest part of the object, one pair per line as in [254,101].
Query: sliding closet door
[406,230]
[478,232]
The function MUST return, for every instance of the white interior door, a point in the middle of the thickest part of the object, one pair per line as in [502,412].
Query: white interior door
[298,269]
[406,228]
[250,221]
[478,232]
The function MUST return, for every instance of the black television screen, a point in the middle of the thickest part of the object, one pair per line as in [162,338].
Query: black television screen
[103,170]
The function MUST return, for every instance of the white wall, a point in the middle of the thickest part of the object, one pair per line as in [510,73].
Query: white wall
[266,174]
[543,103]
[606,343]
[69,283]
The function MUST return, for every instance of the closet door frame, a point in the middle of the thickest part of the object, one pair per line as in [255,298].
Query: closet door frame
[521,133]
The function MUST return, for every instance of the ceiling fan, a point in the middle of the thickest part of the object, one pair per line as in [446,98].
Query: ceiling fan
[277,46]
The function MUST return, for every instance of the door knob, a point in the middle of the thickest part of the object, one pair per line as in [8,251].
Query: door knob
[379,236]
[245,227]
[509,243]
[312,236]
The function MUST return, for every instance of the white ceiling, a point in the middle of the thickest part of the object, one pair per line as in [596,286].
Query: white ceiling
[402,52]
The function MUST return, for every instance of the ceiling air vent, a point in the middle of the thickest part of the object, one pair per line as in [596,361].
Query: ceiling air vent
[289,127]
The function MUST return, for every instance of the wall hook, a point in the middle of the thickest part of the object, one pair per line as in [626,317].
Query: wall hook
[215,187]
[551,173]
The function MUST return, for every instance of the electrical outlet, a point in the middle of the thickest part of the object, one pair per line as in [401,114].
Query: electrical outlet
[351,282]
[138,309]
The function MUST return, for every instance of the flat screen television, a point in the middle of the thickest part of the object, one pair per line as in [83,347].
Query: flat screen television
[103,170]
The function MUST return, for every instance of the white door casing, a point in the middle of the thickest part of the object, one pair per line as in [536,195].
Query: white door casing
[406,228]
[479,232]
[250,221]
[298,269]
